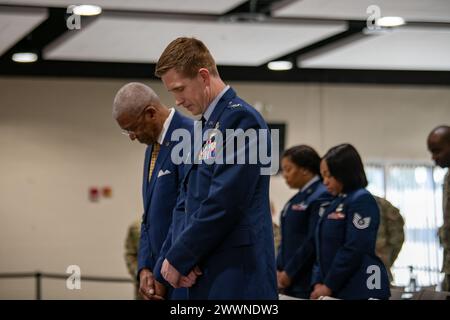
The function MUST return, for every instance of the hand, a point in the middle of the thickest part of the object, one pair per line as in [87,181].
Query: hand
[191,278]
[320,290]
[146,284]
[160,291]
[283,280]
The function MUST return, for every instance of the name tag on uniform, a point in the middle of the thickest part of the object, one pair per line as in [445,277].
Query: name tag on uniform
[336,216]
[299,206]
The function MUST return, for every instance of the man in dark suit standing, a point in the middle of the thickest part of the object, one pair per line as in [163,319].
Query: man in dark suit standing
[226,249]
[139,112]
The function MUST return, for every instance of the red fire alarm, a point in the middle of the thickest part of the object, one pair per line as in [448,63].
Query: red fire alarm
[94,194]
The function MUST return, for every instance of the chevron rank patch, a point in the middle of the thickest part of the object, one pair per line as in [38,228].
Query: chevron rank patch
[360,222]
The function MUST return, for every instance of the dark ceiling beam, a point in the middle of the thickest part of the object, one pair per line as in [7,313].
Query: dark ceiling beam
[254,6]
[49,68]
[45,33]
[353,33]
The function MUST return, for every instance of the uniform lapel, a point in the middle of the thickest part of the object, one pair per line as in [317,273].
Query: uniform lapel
[311,189]
[220,107]
[210,124]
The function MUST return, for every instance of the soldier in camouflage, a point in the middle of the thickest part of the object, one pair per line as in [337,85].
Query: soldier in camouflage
[131,253]
[276,228]
[390,236]
[439,145]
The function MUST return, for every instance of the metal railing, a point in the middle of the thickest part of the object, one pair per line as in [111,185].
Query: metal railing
[38,276]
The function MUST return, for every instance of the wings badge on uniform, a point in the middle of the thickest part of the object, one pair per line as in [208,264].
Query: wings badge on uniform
[360,222]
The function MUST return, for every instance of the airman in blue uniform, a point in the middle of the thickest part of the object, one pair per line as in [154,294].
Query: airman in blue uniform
[226,249]
[300,165]
[346,265]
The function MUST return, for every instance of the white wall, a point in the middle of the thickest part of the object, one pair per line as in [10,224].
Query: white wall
[382,122]
[57,138]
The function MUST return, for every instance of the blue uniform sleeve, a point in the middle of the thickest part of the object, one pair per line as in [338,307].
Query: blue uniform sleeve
[157,269]
[230,191]
[362,220]
[316,276]
[179,210]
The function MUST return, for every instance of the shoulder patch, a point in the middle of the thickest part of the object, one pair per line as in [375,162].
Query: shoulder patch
[360,222]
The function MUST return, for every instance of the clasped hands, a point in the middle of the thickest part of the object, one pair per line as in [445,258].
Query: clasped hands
[176,279]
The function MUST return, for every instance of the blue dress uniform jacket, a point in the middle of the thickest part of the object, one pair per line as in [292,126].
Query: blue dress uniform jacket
[298,223]
[160,195]
[345,243]
[228,231]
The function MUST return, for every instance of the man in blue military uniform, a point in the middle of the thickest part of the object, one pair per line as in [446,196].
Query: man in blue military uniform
[226,249]
[142,116]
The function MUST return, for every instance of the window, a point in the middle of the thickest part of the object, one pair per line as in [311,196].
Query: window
[417,191]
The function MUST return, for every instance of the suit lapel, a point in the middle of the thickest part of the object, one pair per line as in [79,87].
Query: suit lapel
[162,155]
[164,152]
[148,152]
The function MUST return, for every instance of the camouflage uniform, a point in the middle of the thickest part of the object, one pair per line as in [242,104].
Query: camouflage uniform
[131,252]
[444,232]
[390,235]
[276,236]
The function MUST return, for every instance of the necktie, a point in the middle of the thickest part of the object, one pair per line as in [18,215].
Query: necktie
[203,120]
[154,156]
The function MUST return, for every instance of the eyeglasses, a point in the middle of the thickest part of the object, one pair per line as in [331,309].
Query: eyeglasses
[133,132]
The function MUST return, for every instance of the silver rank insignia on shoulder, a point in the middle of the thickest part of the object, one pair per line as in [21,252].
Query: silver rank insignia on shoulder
[234,105]
[360,222]
[217,125]
[340,207]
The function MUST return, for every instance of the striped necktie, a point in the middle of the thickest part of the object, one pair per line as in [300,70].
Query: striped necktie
[155,151]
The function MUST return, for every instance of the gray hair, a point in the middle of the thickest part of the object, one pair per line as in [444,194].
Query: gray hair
[133,98]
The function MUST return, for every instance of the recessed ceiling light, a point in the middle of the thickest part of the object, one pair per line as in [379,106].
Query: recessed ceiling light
[390,21]
[279,65]
[24,57]
[87,10]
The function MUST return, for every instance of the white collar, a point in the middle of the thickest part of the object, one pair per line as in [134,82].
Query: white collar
[213,103]
[310,182]
[165,127]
